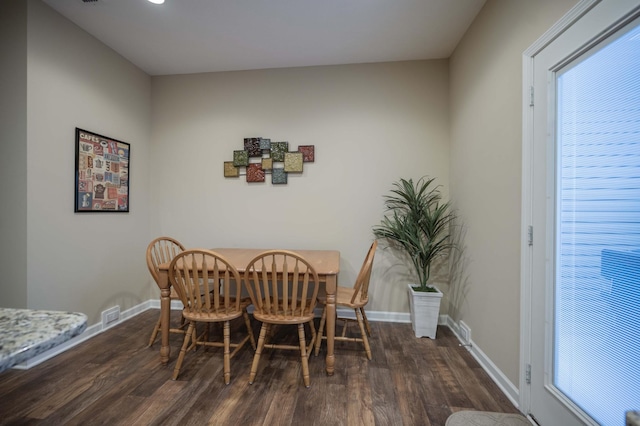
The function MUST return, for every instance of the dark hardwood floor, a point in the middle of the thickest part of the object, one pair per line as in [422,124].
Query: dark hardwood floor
[114,378]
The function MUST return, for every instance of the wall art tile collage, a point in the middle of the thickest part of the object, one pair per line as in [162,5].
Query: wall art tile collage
[261,157]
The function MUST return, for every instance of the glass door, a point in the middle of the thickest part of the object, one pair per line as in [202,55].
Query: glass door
[585,306]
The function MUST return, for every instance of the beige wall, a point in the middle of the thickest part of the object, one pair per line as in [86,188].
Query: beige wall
[486,135]
[458,120]
[82,262]
[370,124]
[13,154]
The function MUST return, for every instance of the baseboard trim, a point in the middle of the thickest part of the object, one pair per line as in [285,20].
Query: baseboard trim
[380,316]
[498,377]
[485,362]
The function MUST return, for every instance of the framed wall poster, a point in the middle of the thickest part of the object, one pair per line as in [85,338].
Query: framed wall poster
[102,174]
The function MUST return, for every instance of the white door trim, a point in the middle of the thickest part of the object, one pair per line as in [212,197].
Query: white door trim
[551,34]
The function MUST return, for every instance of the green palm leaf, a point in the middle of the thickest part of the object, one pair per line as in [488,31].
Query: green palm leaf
[417,223]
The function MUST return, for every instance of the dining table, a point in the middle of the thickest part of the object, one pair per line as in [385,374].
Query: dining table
[325,262]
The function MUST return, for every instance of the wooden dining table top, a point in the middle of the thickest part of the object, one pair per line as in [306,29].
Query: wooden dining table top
[325,262]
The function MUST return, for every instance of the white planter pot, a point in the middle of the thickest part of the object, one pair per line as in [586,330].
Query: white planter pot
[425,309]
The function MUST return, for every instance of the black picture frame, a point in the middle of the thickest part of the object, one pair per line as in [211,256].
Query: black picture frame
[102,174]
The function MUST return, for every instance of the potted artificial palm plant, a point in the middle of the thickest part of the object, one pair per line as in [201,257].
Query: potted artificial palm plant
[418,223]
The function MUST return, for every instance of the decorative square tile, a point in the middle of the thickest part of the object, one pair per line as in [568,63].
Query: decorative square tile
[293,162]
[308,153]
[252,146]
[278,177]
[255,173]
[278,149]
[230,170]
[267,163]
[265,143]
[240,158]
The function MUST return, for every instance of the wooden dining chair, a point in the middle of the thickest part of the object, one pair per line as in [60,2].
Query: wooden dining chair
[355,298]
[283,287]
[210,289]
[159,251]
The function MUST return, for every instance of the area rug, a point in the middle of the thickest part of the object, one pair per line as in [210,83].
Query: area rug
[485,418]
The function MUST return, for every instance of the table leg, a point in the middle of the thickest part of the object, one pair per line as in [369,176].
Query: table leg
[165,312]
[331,322]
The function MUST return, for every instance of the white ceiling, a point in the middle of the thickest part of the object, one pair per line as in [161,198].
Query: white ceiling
[190,36]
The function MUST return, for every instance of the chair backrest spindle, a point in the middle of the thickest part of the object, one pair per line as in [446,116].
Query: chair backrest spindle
[361,286]
[282,284]
[161,250]
[206,282]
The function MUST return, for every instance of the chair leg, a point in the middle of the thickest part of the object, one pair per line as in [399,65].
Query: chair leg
[155,331]
[249,329]
[323,318]
[194,337]
[227,357]
[314,336]
[365,340]
[183,351]
[366,322]
[256,357]
[158,326]
[303,356]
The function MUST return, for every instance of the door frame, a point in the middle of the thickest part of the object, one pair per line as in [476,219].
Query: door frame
[527,216]
[526,252]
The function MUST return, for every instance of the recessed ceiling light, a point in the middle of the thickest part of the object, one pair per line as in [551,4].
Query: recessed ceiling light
[157,1]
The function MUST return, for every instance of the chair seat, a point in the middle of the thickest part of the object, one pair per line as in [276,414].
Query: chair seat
[343,298]
[281,318]
[229,315]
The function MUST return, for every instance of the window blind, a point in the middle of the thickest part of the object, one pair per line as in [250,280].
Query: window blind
[596,355]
